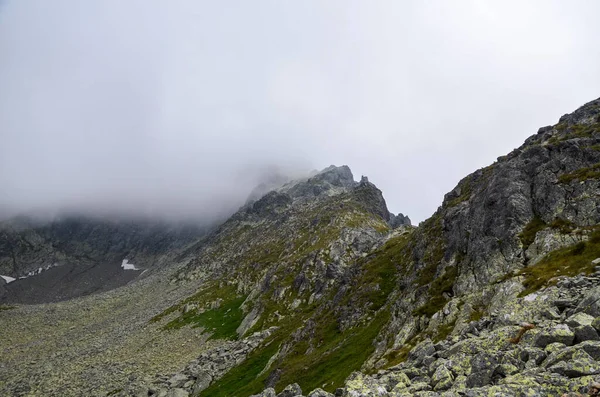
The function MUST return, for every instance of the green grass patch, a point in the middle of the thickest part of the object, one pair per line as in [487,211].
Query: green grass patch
[427,274]
[569,261]
[328,365]
[439,286]
[6,307]
[340,354]
[208,293]
[466,190]
[380,271]
[577,130]
[432,237]
[582,174]
[222,322]
[244,379]
[400,355]
[527,236]
[326,355]
[477,314]
[443,331]
[563,225]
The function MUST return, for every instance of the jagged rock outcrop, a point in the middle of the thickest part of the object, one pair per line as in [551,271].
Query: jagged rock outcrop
[399,220]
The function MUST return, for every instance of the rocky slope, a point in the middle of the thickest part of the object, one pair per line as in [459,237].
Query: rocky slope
[264,245]
[317,287]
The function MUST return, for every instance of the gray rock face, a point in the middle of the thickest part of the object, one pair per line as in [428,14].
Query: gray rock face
[483,216]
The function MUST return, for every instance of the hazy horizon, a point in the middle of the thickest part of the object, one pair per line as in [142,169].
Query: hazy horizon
[179,109]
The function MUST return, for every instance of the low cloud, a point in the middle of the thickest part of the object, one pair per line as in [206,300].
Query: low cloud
[179,109]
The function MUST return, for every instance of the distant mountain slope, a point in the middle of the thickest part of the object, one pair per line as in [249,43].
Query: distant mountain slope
[75,255]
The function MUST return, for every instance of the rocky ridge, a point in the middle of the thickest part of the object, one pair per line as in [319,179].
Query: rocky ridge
[504,233]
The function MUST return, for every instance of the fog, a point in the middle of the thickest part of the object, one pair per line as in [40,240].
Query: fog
[179,108]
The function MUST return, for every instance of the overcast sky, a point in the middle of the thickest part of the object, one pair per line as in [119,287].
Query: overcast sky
[177,107]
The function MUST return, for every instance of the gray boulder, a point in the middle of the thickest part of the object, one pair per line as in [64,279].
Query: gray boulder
[580,364]
[269,392]
[579,319]
[585,332]
[319,393]
[590,304]
[203,380]
[559,334]
[291,391]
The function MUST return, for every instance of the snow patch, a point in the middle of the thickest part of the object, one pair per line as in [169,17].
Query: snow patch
[39,271]
[8,279]
[128,266]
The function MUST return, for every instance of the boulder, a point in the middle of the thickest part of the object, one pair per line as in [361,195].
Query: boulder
[559,334]
[591,347]
[421,351]
[585,332]
[579,319]
[533,354]
[319,393]
[479,378]
[442,379]
[395,381]
[590,303]
[419,387]
[291,391]
[360,385]
[203,380]
[580,364]
[269,392]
